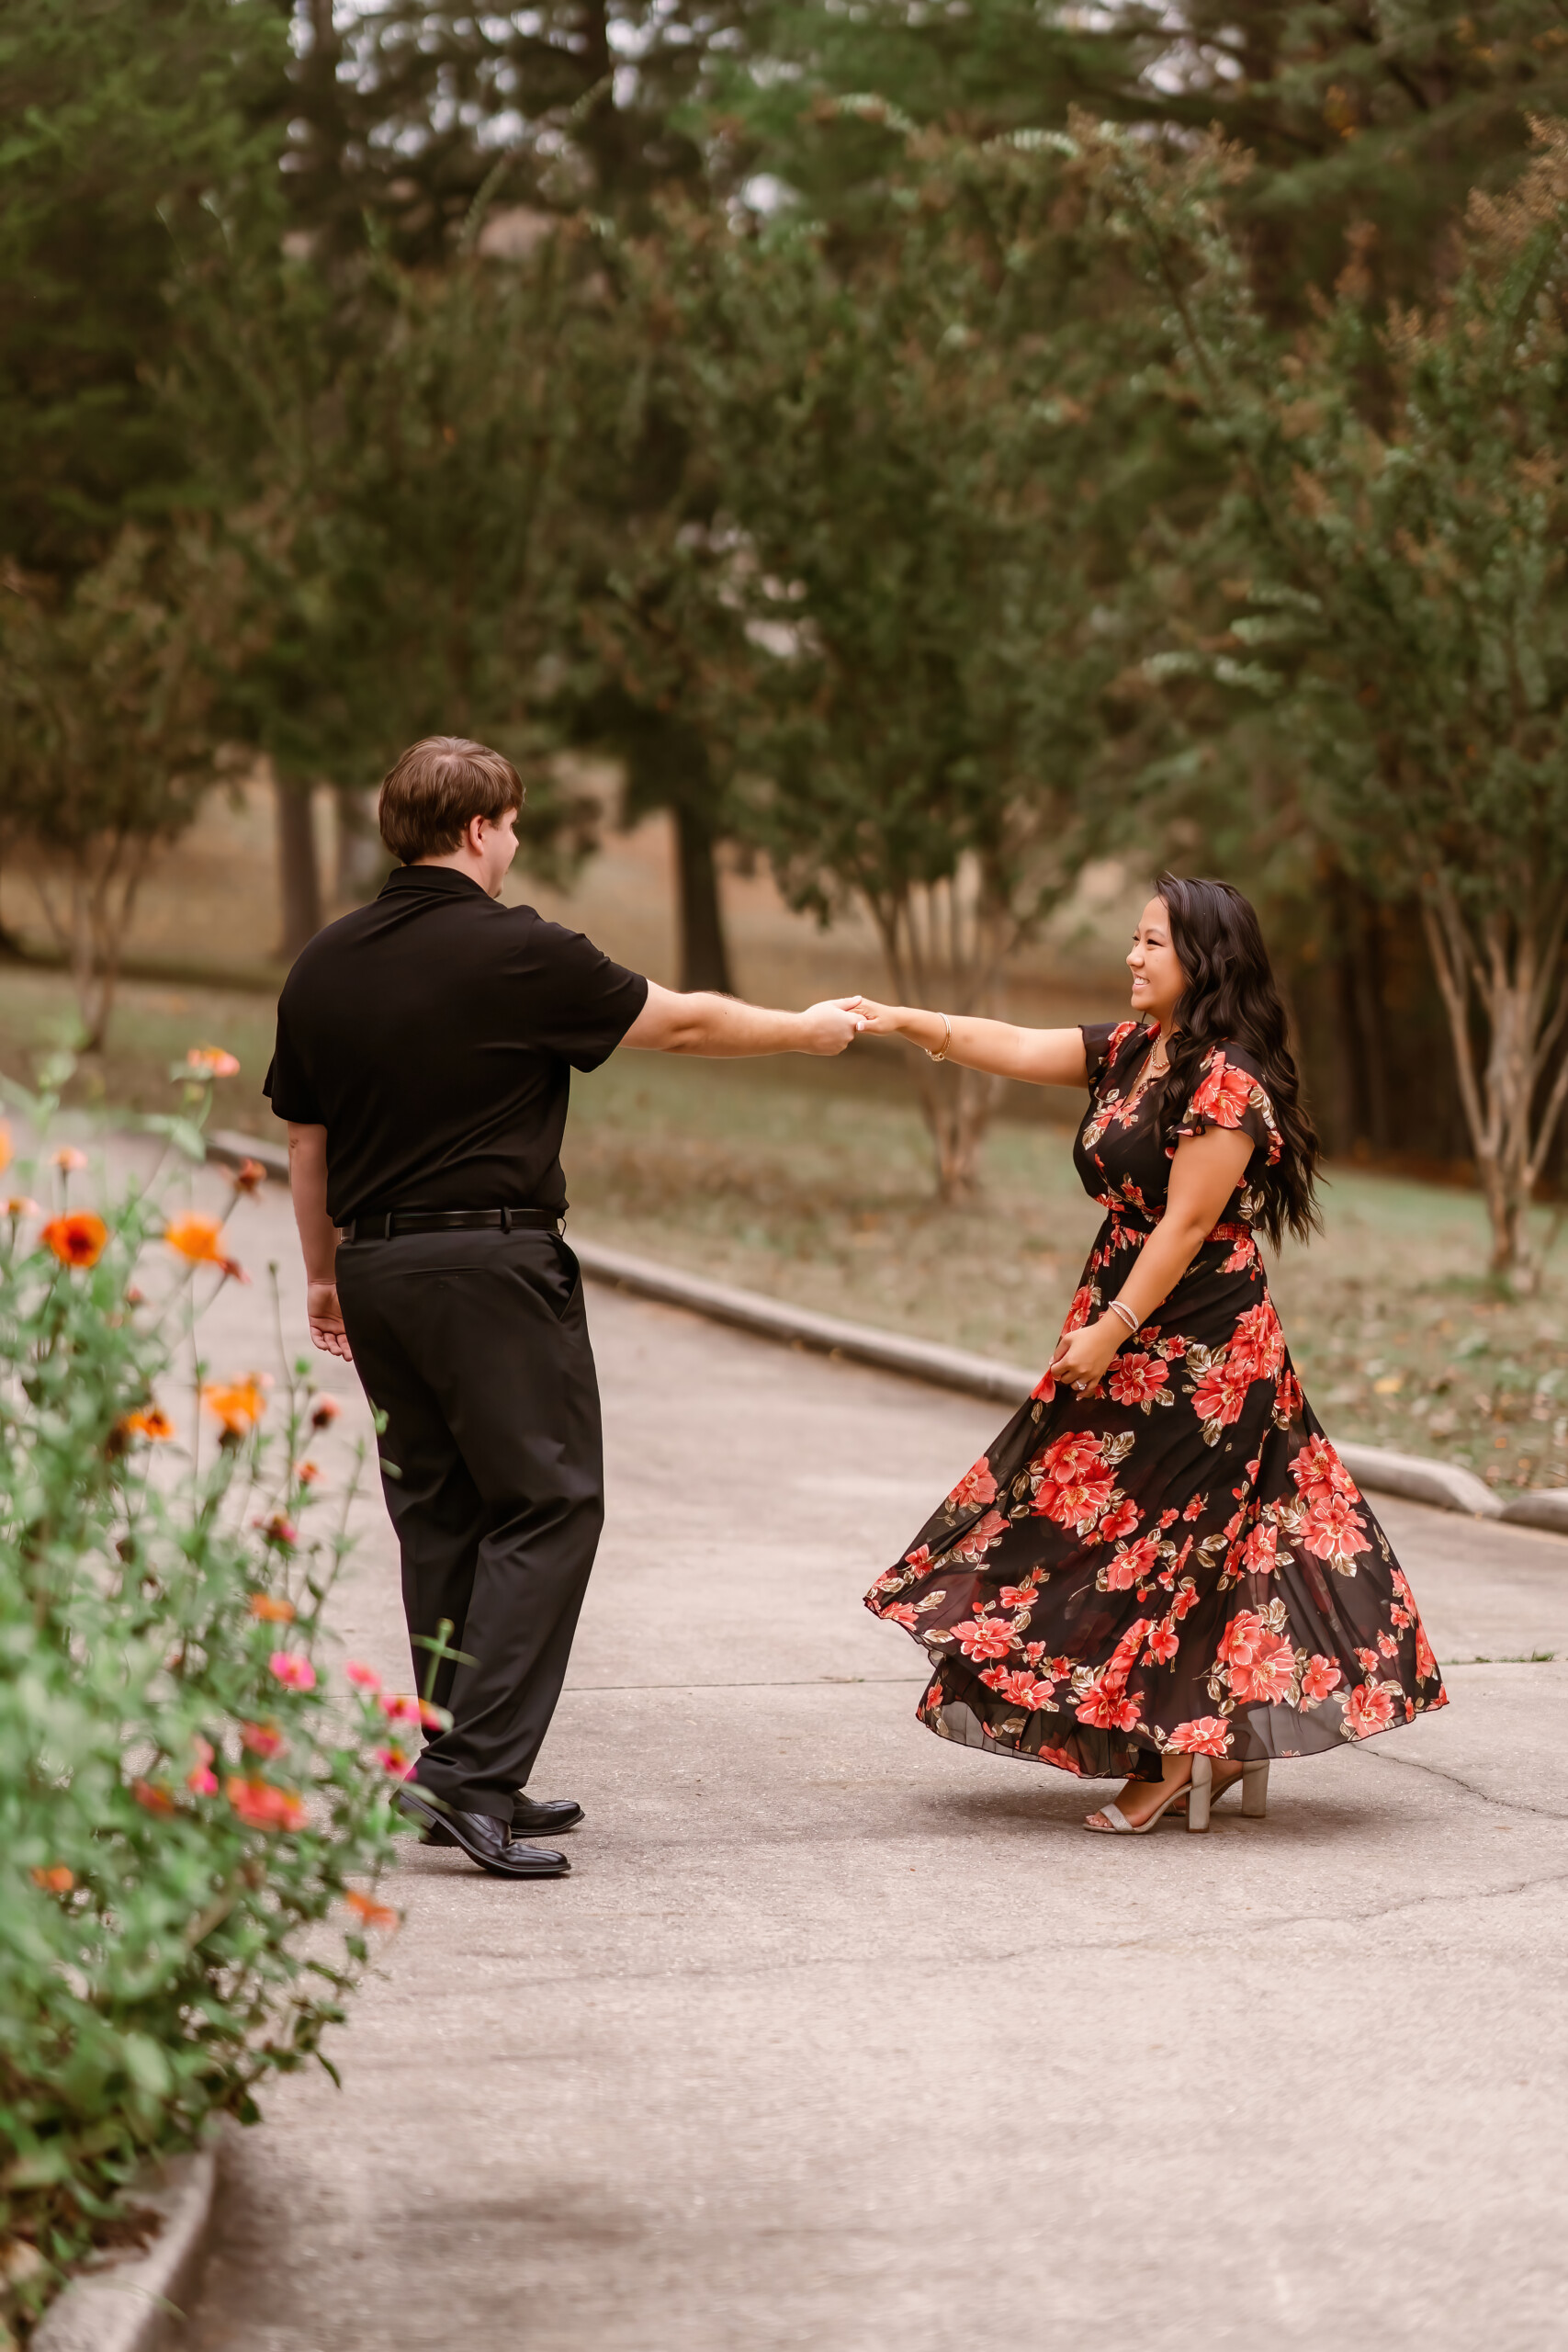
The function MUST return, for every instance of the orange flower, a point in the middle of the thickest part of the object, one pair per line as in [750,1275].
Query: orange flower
[58,1880]
[324,1411]
[239,1404]
[306,1473]
[211,1061]
[248,1177]
[153,1800]
[78,1239]
[5,1148]
[374,1914]
[262,1806]
[263,1740]
[271,1610]
[200,1238]
[153,1424]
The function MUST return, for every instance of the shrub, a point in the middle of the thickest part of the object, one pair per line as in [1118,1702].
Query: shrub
[190,1798]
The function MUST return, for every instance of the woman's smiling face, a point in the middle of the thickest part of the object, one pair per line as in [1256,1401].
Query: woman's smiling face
[1158,977]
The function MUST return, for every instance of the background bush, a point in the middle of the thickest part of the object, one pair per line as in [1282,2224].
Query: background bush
[189,1794]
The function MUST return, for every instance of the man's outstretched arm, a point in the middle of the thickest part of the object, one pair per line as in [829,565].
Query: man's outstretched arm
[724,1029]
[318,1237]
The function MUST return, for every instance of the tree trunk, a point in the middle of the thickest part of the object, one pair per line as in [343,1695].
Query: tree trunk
[958,1106]
[1515,965]
[705,958]
[299,873]
[362,857]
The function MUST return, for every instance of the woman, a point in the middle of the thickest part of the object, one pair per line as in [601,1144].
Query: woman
[1162,1568]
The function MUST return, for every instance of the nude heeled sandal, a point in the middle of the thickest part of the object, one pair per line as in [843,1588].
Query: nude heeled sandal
[1115,1819]
[1253,1792]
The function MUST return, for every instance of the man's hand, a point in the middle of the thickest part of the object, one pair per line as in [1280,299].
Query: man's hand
[326,1321]
[828,1027]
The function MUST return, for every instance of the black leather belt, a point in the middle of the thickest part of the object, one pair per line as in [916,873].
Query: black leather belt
[382,1228]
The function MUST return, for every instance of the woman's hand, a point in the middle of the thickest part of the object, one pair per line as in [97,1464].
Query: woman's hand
[1083,1357]
[882,1020]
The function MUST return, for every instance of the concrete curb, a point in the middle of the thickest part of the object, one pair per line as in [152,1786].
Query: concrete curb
[1415,1475]
[133,2306]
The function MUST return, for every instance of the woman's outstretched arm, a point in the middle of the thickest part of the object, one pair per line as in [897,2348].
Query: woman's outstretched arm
[1038,1057]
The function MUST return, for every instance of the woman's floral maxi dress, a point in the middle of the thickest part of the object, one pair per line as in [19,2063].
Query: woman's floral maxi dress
[1177,1559]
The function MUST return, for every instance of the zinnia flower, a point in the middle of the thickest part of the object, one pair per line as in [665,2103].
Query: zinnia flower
[374,1914]
[68,1160]
[263,1740]
[20,1206]
[54,1878]
[150,1799]
[365,1677]
[325,1412]
[153,1424]
[295,1672]
[279,1531]
[5,1148]
[272,1609]
[78,1239]
[238,1404]
[211,1061]
[248,1177]
[200,1238]
[395,1760]
[306,1473]
[262,1806]
[203,1780]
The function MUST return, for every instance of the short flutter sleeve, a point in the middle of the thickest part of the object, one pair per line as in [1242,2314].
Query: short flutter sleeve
[1229,1093]
[1103,1041]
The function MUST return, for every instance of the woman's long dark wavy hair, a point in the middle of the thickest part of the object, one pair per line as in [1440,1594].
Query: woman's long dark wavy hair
[1230,993]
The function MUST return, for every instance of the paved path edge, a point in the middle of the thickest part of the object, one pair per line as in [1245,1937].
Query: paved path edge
[1417,1477]
[134,2306]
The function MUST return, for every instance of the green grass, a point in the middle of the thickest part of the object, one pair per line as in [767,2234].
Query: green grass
[812,1182]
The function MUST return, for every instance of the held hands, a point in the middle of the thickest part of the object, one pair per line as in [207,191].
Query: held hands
[1083,1357]
[828,1027]
[326,1321]
[881,1020]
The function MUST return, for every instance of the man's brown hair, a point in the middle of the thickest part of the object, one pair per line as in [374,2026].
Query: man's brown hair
[428,797]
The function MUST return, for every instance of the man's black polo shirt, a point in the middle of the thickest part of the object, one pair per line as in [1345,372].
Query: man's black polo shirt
[433,1033]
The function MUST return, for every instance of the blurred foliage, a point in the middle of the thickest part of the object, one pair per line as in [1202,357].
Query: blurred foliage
[186,1799]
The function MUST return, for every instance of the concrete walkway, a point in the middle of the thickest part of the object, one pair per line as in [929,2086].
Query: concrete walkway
[839,2038]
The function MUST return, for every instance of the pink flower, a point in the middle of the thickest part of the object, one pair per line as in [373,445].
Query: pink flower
[1020,1690]
[1334,1528]
[203,1780]
[1320,1676]
[296,1673]
[263,1740]
[1223,1391]
[1137,1379]
[395,1760]
[211,1061]
[68,1160]
[262,1806]
[982,1637]
[365,1676]
[1260,1553]
[1203,1735]
[1369,1708]
[1106,1708]
[982,1537]
[279,1531]
[975,1486]
[1317,1470]
[1129,1566]
[404,1710]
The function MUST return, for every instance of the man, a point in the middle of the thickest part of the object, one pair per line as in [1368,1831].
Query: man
[424,1050]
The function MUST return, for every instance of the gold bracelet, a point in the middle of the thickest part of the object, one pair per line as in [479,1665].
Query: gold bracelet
[946,1041]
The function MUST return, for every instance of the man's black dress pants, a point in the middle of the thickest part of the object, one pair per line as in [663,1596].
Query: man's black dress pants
[475,1346]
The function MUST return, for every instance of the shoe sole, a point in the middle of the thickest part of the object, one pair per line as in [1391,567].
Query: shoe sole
[439,1835]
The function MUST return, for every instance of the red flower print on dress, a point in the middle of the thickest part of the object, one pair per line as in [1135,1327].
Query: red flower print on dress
[1320,1676]
[1288,1400]
[1260,1553]
[1426,1664]
[1203,1735]
[1128,1567]
[1137,1379]
[1222,1392]
[1164,1642]
[920,1559]
[1260,1665]
[983,1537]
[1222,1096]
[1369,1708]
[1318,1471]
[977,1486]
[1368,1660]
[901,1613]
[1118,1522]
[1334,1530]
[1259,1340]
[983,1637]
[1080,1310]
[1076,1484]
[1020,1690]
[1388,1646]
[1242,1255]
[1045,1389]
[1107,1708]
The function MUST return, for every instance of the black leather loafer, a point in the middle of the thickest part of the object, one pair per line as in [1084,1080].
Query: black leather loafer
[543,1816]
[485,1840]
